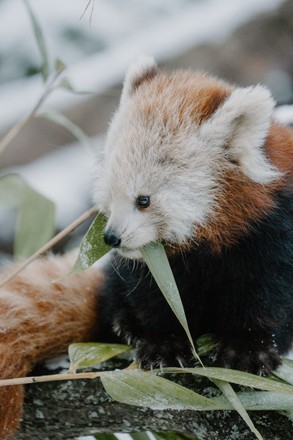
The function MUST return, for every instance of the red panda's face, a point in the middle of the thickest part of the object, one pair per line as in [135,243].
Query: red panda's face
[167,153]
[158,186]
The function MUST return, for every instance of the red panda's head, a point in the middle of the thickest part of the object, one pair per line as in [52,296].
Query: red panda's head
[184,152]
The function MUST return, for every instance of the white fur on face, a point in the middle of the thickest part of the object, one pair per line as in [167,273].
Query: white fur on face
[144,158]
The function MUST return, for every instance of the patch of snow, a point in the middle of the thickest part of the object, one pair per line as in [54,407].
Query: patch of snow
[86,437]
[123,436]
[128,28]
[64,176]
[284,114]
[58,362]
[290,355]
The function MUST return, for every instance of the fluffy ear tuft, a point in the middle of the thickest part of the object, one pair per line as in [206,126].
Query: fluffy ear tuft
[143,69]
[241,125]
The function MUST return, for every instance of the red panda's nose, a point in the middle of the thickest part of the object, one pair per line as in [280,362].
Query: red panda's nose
[111,238]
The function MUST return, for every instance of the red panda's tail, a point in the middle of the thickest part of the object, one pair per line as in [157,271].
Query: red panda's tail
[42,311]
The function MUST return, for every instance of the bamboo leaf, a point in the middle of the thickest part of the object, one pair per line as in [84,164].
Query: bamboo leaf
[232,397]
[142,436]
[288,362]
[258,401]
[89,354]
[101,436]
[45,66]
[11,190]
[156,259]
[92,246]
[285,372]
[59,65]
[174,436]
[140,388]
[204,344]
[237,377]
[35,223]
[65,84]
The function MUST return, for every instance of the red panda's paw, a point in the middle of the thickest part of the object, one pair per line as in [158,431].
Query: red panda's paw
[159,353]
[256,355]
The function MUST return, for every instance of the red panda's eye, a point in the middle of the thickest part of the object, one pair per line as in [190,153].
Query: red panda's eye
[142,202]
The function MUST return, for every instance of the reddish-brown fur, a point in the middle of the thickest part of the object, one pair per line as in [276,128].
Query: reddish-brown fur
[40,318]
[281,157]
[242,200]
[199,102]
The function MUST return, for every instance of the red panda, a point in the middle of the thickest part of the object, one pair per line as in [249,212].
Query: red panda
[202,167]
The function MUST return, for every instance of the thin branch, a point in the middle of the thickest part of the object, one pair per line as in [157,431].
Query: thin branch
[13,132]
[58,377]
[86,8]
[81,219]
[49,378]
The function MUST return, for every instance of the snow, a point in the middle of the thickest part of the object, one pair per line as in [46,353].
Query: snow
[58,362]
[284,114]
[120,31]
[87,437]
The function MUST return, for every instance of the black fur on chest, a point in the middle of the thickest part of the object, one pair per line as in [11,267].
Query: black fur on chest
[242,295]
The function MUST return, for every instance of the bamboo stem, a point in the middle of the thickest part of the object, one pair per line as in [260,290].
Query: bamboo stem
[81,219]
[49,378]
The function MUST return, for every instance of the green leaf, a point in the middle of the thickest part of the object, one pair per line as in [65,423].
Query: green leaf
[104,436]
[237,377]
[141,436]
[74,129]
[35,223]
[258,401]
[174,436]
[92,246]
[59,65]
[204,344]
[232,397]
[288,362]
[140,388]
[155,257]
[11,190]
[285,372]
[89,354]
[45,69]
[65,84]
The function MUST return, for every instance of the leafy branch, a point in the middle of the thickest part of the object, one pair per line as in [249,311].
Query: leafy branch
[77,222]
[144,388]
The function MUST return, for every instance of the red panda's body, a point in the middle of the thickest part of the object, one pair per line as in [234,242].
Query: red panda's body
[200,166]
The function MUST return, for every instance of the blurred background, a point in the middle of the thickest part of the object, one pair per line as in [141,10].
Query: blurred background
[246,42]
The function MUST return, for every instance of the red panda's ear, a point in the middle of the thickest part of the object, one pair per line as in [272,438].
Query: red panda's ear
[143,69]
[241,125]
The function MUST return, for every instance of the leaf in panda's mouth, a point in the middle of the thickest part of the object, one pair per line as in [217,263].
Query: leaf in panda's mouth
[156,259]
[92,246]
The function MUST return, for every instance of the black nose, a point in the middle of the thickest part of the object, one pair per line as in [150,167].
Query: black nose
[111,238]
